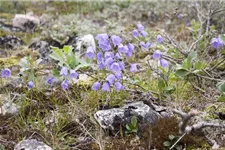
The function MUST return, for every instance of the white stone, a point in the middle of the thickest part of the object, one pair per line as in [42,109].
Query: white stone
[26,22]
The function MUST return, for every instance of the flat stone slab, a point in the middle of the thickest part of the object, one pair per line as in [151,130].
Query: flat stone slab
[31,144]
[114,118]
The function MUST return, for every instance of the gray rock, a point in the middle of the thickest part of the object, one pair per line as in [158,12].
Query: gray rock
[43,48]
[26,22]
[80,44]
[11,42]
[112,119]
[31,144]
[9,108]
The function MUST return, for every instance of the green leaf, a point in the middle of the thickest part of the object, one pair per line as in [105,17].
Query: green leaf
[171,137]
[221,98]
[199,65]
[167,143]
[134,121]
[67,49]
[222,37]
[221,86]
[182,72]
[128,127]
[55,72]
[161,84]
[24,63]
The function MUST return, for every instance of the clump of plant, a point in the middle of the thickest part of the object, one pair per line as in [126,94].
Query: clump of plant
[131,128]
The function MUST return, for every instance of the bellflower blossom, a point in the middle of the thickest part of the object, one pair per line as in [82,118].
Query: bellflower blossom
[118,86]
[130,50]
[90,53]
[140,27]
[146,46]
[96,86]
[65,84]
[50,80]
[180,16]
[216,42]
[133,68]
[111,78]
[30,84]
[103,42]
[73,74]
[115,40]
[143,33]
[5,73]
[159,39]
[164,63]
[115,67]
[64,71]
[105,87]
[134,33]
[156,55]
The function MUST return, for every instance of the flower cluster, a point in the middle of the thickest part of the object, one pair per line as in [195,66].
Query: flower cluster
[64,73]
[216,43]
[157,55]
[109,58]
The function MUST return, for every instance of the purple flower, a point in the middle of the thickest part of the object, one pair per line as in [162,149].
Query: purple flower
[180,16]
[133,68]
[96,86]
[115,40]
[134,33]
[117,56]
[109,54]
[50,80]
[156,55]
[103,42]
[121,64]
[111,78]
[101,66]
[122,49]
[216,42]
[104,45]
[143,33]
[90,53]
[188,24]
[30,84]
[65,84]
[64,71]
[118,86]
[147,45]
[73,74]
[105,87]
[130,50]
[159,38]
[115,67]
[102,36]
[140,27]
[5,73]
[99,56]
[118,75]
[164,63]
[109,61]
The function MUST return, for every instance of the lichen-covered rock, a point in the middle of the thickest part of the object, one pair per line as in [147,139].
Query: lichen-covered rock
[9,28]
[42,47]
[10,42]
[26,22]
[31,145]
[80,44]
[114,118]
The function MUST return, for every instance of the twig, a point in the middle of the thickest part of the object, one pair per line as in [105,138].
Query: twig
[177,141]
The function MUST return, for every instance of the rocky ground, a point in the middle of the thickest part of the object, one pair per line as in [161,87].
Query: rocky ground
[140,117]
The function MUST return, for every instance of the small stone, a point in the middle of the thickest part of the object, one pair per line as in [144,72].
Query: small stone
[26,22]
[10,42]
[113,118]
[31,144]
